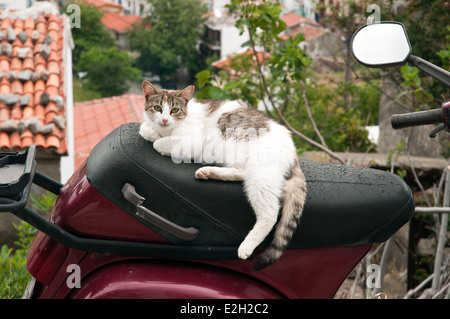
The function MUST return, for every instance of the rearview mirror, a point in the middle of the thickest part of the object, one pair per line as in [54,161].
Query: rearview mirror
[381,44]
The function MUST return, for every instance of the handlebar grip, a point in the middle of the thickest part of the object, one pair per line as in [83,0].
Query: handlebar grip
[399,121]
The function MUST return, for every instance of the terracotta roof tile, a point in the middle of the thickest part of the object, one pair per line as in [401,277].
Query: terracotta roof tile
[225,63]
[29,24]
[6,22]
[118,22]
[16,87]
[32,73]
[28,87]
[28,64]
[5,87]
[39,140]
[14,140]
[28,112]
[298,24]
[26,139]
[104,4]
[93,120]
[4,141]
[39,112]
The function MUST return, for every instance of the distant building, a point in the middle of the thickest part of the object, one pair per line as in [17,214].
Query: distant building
[118,19]
[105,6]
[221,37]
[127,7]
[296,24]
[119,25]
[304,8]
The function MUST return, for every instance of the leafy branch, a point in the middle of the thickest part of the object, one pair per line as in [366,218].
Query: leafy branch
[273,74]
[291,45]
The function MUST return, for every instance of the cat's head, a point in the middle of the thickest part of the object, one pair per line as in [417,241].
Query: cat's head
[166,107]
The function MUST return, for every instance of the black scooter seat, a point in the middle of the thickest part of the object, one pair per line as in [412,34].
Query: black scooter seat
[345,206]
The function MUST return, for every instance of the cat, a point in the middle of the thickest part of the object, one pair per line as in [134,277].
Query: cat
[245,145]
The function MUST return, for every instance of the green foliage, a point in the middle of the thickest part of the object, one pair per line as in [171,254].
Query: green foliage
[273,77]
[43,203]
[444,54]
[108,69]
[91,33]
[262,15]
[95,53]
[167,38]
[342,127]
[13,270]
[82,92]
[426,22]
[282,61]
[412,83]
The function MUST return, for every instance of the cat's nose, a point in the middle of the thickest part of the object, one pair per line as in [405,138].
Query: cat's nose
[165,121]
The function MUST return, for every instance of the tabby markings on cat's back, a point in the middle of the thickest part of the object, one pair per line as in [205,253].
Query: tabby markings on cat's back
[245,121]
[211,105]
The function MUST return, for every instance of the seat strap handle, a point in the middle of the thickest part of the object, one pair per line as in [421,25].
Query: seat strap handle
[149,217]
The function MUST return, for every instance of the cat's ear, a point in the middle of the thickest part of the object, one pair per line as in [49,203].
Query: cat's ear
[149,89]
[186,93]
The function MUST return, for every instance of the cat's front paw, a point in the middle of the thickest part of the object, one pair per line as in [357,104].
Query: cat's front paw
[161,147]
[244,251]
[148,133]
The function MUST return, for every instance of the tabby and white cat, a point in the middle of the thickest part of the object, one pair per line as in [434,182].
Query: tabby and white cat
[186,129]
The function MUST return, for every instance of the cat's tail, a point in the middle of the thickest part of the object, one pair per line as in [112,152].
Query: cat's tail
[293,203]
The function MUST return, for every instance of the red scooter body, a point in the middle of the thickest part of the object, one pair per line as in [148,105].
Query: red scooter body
[179,239]
[301,273]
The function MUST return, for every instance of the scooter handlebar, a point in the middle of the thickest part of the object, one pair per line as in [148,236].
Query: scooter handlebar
[435,116]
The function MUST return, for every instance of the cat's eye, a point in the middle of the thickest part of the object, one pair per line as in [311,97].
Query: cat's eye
[175,110]
[157,108]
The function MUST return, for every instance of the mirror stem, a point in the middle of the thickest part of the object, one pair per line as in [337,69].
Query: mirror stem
[433,70]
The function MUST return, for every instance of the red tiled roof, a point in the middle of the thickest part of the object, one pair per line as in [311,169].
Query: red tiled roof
[292,19]
[32,97]
[298,24]
[93,120]
[102,4]
[224,63]
[118,22]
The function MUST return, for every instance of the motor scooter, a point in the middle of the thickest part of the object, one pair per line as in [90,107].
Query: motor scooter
[131,223]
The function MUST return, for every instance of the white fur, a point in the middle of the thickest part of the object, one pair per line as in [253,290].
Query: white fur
[262,163]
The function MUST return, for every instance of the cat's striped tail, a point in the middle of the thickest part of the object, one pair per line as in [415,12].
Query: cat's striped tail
[293,203]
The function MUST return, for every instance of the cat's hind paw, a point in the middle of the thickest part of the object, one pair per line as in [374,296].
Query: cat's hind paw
[244,252]
[202,173]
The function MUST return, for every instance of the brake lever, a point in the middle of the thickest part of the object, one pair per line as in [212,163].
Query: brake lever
[436,130]
[446,116]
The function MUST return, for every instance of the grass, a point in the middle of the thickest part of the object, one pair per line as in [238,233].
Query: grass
[14,275]
[81,92]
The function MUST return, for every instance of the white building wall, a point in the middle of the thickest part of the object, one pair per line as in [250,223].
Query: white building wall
[231,41]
